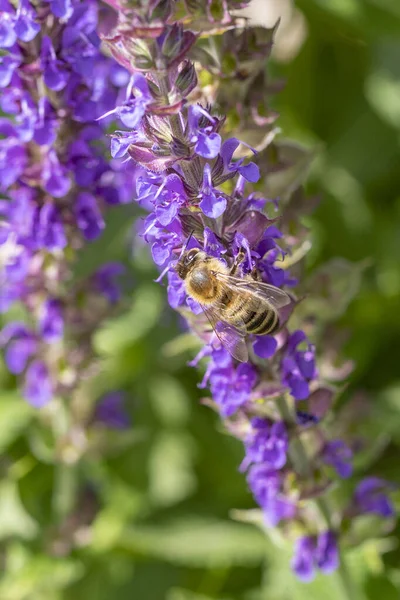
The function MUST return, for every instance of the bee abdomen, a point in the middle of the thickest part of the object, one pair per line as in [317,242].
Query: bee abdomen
[263,322]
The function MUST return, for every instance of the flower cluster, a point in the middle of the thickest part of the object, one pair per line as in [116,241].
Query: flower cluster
[57,181]
[193,183]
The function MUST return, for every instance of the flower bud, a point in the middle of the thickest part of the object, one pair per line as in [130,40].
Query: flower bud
[187,79]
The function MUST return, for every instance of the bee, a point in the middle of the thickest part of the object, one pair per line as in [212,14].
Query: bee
[235,306]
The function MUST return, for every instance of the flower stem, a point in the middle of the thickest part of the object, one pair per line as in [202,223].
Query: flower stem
[301,462]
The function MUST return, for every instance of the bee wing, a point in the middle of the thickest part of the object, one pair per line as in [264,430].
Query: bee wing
[273,295]
[231,336]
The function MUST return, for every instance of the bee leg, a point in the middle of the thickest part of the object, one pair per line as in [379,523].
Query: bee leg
[238,260]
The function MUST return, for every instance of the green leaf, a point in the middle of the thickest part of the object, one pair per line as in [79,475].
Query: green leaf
[36,577]
[196,542]
[15,415]
[171,469]
[14,520]
[123,331]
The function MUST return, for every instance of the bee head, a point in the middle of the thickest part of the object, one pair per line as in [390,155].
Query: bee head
[187,261]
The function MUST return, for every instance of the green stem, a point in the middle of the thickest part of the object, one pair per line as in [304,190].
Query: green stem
[303,467]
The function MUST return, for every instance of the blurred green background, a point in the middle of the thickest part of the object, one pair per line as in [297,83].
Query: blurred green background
[146,513]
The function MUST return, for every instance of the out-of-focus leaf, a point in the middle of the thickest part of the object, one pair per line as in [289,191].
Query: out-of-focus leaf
[35,577]
[15,415]
[122,503]
[284,165]
[200,543]
[170,469]
[181,594]
[331,288]
[169,400]
[123,331]
[14,520]
[379,587]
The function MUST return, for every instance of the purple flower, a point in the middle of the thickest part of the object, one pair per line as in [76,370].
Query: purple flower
[61,8]
[206,142]
[110,411]
[88,216]
[26,27]
[339,456]
[298,366]
[265,346]
[56,178]
[54,72]
[38,388]
[133,109]
[266,443]
[105,281]
[250,172]
[51,321]
[8,36]
[231,387]
[327,553]
[371,497]
[212,203]
[21,345]
[311,553]
[266,486]
[303,563]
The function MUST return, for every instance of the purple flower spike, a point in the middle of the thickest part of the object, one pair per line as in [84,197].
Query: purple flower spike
[303,559]
[38,388]
[371,497]
[212,204]
[110,411]
[339,456]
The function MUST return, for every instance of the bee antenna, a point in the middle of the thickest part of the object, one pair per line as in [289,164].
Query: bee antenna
[185,245]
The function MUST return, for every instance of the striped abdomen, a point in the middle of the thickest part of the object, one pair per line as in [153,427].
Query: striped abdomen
[258,316]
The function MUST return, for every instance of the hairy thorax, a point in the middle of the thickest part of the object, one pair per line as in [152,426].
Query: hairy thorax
[202,284]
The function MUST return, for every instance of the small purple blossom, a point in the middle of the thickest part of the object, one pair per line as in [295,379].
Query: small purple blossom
[231,387]
[88,216]
[105,281]
[298,366]
[266,486]
[212,203]
[51,321]
[371,497]
[250,172]
[38,387]
[339,456]
[311,554]
[111,412]
[132,110]
[266,443]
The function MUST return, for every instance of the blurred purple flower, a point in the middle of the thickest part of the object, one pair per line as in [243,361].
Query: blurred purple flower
[111,412]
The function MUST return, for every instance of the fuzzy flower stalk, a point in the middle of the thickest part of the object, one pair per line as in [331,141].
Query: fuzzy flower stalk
[198,76]
[56,183]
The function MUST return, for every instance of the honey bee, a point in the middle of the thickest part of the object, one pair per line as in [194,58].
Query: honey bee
[235,306]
